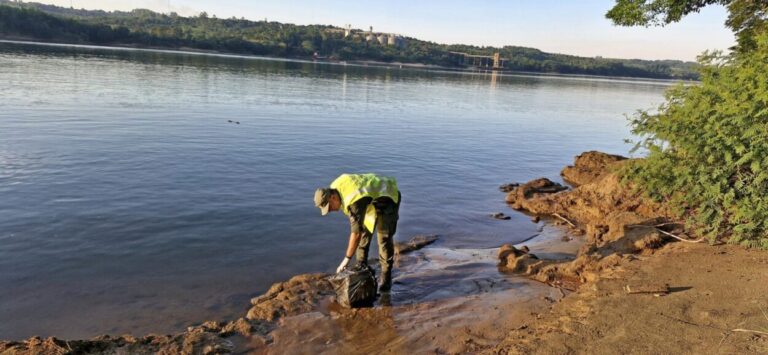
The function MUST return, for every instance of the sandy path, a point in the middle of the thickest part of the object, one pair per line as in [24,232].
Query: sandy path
[715,289]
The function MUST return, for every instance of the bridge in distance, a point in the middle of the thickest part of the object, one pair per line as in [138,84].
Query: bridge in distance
[479,61]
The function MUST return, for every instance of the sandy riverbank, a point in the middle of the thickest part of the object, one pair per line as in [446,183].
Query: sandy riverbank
[638,290]
[700,298]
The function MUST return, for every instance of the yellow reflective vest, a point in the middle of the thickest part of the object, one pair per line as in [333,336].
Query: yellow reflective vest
[353,187]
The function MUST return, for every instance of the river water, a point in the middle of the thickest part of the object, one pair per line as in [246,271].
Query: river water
[130,203]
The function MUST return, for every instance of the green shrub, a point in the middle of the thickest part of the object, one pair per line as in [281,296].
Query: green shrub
[708,148]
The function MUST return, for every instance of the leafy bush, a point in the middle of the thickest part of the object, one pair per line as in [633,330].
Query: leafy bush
[708,148]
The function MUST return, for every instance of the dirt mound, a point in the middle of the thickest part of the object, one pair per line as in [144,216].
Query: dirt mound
[300,294]
[602,208]
[532,189]
[616,220]
[589,167]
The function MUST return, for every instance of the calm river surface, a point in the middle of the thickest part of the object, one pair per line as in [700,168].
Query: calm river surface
[129,203]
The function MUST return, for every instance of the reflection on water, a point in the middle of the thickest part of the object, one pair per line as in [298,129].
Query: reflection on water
[131,204]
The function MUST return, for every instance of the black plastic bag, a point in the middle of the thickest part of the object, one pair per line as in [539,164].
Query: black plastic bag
[355,287]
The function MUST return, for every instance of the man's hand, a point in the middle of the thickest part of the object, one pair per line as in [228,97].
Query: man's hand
[343,264]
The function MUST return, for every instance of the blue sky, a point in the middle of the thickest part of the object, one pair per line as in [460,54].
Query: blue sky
[573,27]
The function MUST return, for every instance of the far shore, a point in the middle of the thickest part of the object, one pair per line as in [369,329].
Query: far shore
[358,63]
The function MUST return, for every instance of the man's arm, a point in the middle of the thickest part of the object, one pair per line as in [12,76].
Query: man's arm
[354,241]
[357,228]
[357,224]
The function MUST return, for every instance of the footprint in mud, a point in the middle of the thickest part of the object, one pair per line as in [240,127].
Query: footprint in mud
[484,285]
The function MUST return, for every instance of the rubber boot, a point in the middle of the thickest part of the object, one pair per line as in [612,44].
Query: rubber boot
[360,265]
[386,281]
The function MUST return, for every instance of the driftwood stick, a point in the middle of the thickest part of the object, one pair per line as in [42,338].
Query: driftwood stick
[564,219]
[725,336]
[667,233]
[681,239]
[740,330]
[749,331]
[648,288]
[552,284]
[691,323]
[667,223]
[653,225]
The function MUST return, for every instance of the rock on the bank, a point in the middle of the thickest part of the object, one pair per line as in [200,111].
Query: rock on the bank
[618,220]
[590,166]
[300,294]
[518,260]
[531,189]
[414,244]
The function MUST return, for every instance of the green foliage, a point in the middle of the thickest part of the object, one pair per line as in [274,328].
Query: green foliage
[708,148]
[655,12]
[708,144]
[205,32]
[746,18]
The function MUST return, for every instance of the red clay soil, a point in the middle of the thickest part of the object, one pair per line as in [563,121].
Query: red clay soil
[717,304]
[638,291]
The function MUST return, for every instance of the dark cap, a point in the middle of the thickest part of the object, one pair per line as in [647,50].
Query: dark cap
[321,200]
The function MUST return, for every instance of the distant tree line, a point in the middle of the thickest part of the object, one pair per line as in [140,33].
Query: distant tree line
[203,32]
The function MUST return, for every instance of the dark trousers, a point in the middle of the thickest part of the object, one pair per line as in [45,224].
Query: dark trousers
[387,214]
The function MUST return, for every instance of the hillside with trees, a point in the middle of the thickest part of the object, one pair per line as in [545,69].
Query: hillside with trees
[146,28]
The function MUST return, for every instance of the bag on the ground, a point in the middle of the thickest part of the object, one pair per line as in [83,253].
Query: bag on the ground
[355,287]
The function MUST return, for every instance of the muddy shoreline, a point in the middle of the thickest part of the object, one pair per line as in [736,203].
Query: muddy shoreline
[567,290]
[440,294]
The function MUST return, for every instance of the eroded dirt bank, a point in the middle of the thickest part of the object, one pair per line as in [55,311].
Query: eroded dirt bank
[638,290]
[617,283]
[713,291]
